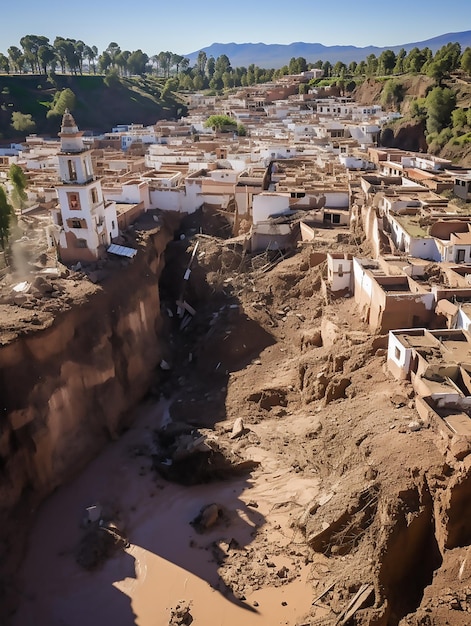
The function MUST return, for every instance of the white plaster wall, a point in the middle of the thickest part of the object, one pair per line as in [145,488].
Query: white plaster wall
[424,249]
[265,205]
[403,360]
[463,320]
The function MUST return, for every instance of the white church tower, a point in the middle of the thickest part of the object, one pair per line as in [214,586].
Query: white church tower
[84,223]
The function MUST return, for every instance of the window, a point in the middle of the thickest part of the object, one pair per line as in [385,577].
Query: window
[460,255]
[112,224]
[76,223]
[81,243]
[397,353]
[94,195]
[74,201]
[72,170]
[335,218]
[340,270]
[88,170]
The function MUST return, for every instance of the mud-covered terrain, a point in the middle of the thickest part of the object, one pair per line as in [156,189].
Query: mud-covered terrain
[291,472]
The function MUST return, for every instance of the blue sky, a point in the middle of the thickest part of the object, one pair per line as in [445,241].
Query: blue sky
[186,26]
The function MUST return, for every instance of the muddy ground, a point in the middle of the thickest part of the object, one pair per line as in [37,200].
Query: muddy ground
[349,508]
[311,386]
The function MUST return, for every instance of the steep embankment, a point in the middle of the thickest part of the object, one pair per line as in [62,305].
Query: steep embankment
[66,388]
[98,106]
[410,133]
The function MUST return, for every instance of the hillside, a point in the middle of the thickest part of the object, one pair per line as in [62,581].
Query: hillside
[277,55]
[408,133]
[98,107]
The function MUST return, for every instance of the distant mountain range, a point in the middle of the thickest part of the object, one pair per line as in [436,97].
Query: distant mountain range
[277,55]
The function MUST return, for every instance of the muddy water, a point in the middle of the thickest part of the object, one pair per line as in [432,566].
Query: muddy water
[167,561]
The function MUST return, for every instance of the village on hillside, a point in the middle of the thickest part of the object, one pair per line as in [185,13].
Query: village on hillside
[304,164]
[287,177]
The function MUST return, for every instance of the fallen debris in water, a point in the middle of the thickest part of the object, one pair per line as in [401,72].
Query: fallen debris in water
[190,456]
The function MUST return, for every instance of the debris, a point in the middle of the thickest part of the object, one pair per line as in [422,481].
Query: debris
[208,516]
[238,429]
[180,615]
[93,513]
[324,593]
[355,604]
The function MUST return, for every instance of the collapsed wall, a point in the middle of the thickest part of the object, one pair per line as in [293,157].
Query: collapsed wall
[66,389]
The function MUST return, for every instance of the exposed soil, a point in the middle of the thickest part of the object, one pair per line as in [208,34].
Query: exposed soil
[347,511]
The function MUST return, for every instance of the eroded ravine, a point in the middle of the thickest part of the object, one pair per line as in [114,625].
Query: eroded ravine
[345,493]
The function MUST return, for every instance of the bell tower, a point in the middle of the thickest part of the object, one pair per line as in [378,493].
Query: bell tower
[87,224]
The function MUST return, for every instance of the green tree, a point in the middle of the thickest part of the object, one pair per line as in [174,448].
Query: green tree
[386,62]
[64,99]
[222,65]
[220,122]
[91,53]
[439,104]
[6,214]
[4,64]
[392,93]
[112,79]
[210,67]
[170,85]
[418,110]
[165,60]
[121,61]
[47,58]
[352,68]
[201,62]
[449,56]
[137,62]
[31,45]
[22,122]
[371,65]
[17,58]
[466,61]
[415,60]
[459,118]
[113,50]
[327,69]
[437,70]
[104,62]
[399,66]
[176,62]
[79,54]
[19,184]
[339,69]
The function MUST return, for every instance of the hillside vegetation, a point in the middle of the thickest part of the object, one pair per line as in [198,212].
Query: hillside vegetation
[35,103]
[435,117]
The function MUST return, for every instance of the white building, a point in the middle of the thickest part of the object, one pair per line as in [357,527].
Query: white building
[84,224]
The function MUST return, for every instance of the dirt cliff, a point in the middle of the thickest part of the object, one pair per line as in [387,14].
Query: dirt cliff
[69,378]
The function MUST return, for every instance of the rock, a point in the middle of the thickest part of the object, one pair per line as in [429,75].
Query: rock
[398,401]
[414,426]
[336,389]
[207,517]
[238,429]
[311,339]
[460,449]
[180,615]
